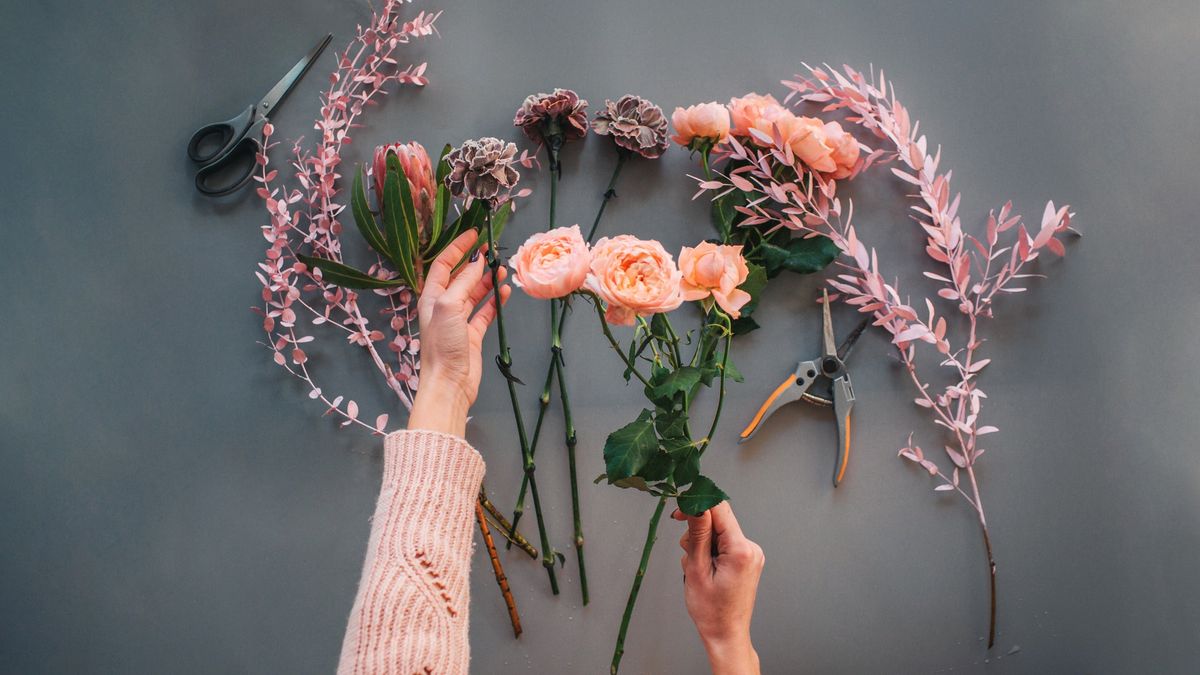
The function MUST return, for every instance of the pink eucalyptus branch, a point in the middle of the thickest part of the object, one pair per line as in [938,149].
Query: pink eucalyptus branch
[305,219]
[971,270]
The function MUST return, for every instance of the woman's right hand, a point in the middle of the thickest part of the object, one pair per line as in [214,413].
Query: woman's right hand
[721,569]
[452,331]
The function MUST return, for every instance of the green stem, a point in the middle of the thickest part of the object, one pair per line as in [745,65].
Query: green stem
[504,360]
[612,341]
[651,536]
[674,341]
[610,191]
[560,367]
[728,325]
[543,405]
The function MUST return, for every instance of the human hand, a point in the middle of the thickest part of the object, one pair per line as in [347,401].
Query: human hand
[452,336]
[721,568]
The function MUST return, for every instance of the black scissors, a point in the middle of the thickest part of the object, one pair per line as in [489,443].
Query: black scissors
[831,366]
[240,138]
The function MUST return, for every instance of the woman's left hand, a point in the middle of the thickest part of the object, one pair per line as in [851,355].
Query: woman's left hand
[453,322]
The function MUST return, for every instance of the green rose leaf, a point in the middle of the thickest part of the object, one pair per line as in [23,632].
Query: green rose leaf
[634,482]
[702,495]
[755,283]
[687,467]
[670,424]
[629,448]
[802,256]
[673,382]
[660,466]
[744,324]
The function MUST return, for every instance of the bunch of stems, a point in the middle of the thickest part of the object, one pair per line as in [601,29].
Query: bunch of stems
[556,370]
[504,361]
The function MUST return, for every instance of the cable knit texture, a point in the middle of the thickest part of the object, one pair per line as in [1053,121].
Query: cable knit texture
[410,615]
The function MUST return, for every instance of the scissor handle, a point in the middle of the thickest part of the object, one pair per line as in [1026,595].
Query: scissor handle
[231,131]
[243,151]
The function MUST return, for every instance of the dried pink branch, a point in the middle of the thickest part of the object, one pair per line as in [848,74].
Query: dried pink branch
[306,220]
[972,270]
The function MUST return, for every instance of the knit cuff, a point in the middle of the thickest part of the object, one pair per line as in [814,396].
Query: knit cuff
[431,457]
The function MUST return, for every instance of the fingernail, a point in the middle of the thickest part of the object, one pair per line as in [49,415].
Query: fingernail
[475,255]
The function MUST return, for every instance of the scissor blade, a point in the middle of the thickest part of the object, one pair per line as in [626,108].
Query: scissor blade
[847,346]
[827,325]
[284,86]
[843,404]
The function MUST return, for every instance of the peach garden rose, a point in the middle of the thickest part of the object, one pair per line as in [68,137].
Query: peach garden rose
[845,150]
[715,270]
[705,121]
[635,277]
[552,264]
[746,111]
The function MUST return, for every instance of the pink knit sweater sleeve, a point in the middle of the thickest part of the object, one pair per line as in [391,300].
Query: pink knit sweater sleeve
[410,614]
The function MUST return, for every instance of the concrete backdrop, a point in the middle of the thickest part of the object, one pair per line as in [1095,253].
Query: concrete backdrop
[170,501]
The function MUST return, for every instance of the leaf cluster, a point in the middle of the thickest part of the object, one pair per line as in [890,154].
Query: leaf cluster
[401,240]
[656,453]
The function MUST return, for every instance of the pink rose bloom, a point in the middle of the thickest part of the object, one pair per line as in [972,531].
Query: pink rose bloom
[810,143]
[716,270]
[551,264]
[773,116]
[703,120]
[419,172]
[845,150]
[744,112]
[635,277]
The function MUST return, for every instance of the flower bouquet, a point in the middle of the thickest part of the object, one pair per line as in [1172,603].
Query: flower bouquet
[756,135]
[635,282]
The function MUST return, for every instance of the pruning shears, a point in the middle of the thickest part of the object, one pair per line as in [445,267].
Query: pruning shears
[831,366]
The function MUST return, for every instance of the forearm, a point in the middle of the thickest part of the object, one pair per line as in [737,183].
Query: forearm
[411,610]
[732,657]
[440,406]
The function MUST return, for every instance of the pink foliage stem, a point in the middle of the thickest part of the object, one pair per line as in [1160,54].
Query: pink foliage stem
[305,220]
[971,270]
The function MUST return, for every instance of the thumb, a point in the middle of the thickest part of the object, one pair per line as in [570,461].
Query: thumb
[699,540]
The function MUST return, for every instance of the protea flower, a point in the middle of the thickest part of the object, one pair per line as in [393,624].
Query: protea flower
[634,124]
[558,116]
[417,169]
[483,169]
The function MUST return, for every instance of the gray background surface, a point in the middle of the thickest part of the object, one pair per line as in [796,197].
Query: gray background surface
[170,501]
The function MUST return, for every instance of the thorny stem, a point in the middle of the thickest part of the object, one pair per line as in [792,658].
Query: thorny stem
[543,405]
[612,341]
[560,367]
[721,391]
[651,536]
[610,191]
[498,569]
[504,360]
[553,145]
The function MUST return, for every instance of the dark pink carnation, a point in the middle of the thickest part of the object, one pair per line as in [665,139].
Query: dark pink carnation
[561,113]
[634,124]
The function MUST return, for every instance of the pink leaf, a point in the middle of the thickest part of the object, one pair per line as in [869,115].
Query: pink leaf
[352,410]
